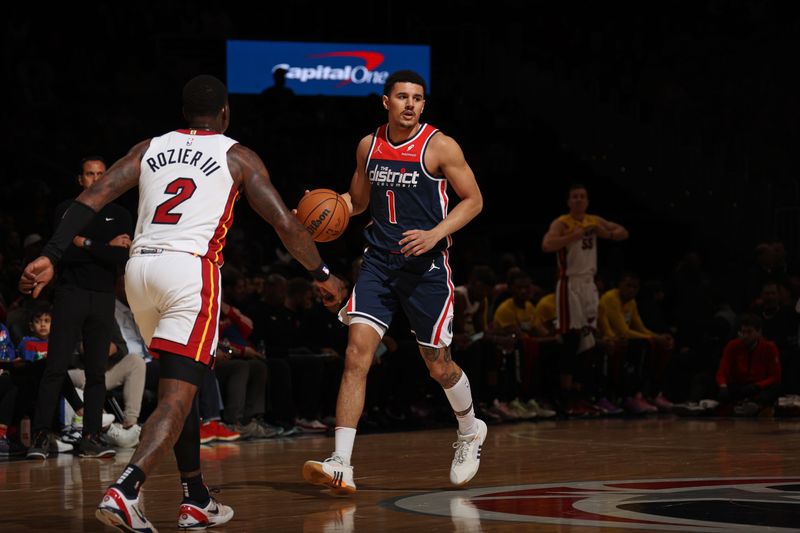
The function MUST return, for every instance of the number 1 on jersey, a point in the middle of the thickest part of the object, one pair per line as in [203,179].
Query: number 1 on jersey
[392,212]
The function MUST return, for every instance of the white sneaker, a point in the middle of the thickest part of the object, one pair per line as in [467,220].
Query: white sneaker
[193,517]
[311,425]
[122,437]
[521,409]
[60,446]
[689,407]
[108,419]
[467,458]
[72,434]
[540,411]
[119,511]
[709,404]
[332,473]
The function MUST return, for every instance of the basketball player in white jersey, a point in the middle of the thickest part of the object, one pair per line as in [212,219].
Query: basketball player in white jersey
[188,183]
[574,238]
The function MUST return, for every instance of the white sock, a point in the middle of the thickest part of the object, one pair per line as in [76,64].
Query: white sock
[460,397]
[345,438]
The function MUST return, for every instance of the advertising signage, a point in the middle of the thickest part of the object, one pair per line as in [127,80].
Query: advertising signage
[334,69]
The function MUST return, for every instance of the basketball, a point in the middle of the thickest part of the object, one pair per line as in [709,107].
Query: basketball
[324,214]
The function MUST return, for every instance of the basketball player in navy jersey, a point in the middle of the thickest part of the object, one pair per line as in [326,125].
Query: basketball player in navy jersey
[189,181]
[402,174]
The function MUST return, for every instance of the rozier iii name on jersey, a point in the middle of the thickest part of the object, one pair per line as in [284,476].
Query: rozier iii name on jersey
[184,156]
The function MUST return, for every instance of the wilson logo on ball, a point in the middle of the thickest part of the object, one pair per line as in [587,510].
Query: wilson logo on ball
[317,222]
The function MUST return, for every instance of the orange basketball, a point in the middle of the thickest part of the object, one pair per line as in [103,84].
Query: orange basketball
[324,214]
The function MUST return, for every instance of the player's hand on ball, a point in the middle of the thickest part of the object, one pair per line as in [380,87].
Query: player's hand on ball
[348,200]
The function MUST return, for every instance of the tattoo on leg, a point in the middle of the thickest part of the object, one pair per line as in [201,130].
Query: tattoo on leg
[430,354]
[449,381]
[465,411]
[163,427]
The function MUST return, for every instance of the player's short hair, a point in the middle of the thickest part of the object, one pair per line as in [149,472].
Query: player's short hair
[750,320]
[403,76]
[629,274]
[91,158]
[576,186]
[41,310]
[203,96]
[518,275]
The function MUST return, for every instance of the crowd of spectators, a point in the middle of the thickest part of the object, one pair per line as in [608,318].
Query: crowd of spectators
[682,343]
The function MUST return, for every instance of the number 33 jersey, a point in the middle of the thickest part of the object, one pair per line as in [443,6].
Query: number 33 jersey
[579,257]
[186,195]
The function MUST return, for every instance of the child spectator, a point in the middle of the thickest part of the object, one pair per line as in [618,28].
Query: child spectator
[34,347]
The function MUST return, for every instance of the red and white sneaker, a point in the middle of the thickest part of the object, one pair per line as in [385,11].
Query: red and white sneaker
[121,512]
[193,517]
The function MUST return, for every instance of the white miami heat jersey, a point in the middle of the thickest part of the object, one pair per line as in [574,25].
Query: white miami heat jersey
[186,194]
[579,257]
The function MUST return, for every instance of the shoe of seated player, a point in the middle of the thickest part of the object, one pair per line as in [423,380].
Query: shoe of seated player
[126,514]
[333,473]
[311,425]
[609,407]
[467,458]
[95,446]
[540,410]
[663,404]
[521,409]
[193,516]
[122,437]
[40,446]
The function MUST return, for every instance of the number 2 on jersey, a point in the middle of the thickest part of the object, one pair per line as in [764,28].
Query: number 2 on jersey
[183,189]
[392,212]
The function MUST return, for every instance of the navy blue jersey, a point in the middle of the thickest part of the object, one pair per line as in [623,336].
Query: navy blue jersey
[404,195]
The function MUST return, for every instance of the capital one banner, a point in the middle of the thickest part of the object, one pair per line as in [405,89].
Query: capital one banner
[336,69]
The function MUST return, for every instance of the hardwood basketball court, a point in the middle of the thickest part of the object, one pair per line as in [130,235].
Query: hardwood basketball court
[663,473]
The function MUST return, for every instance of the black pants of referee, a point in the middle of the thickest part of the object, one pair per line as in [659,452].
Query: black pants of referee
[78,314]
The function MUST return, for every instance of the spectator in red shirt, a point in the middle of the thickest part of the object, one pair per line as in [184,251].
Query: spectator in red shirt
[750,370]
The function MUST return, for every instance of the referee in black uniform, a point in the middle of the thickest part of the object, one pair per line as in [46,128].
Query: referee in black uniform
[83,308]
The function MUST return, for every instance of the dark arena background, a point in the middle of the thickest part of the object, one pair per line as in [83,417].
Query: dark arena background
[681,120]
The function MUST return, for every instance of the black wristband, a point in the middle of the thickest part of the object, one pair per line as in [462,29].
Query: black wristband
[76,217]
[321,273]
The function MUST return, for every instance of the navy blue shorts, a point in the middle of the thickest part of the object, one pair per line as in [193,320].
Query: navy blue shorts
[421,286]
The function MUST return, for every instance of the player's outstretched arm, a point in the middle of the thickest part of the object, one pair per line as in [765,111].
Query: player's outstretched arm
[448,160]
[122,176]
[248,169]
